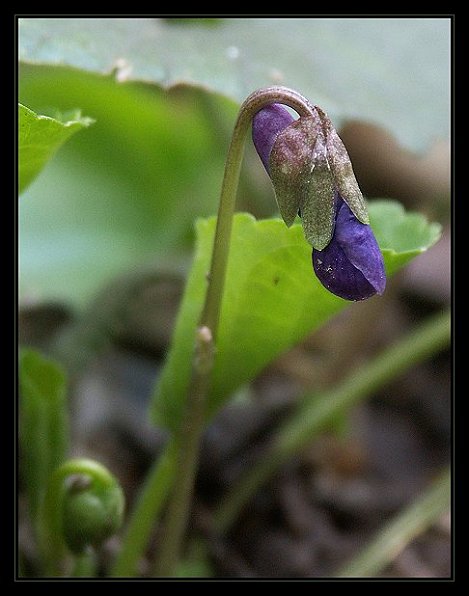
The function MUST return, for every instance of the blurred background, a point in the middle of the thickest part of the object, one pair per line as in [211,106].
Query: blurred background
[105,243]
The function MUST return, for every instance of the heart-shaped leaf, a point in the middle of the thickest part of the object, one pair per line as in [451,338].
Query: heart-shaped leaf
[272,299]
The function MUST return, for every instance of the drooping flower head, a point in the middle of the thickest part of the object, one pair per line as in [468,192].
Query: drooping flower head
[312,176]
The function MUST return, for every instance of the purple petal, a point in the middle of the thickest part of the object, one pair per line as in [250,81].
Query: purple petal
[266,125]
[351,266]
[360,246]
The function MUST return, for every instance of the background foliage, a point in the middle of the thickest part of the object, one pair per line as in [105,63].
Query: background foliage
[128,189]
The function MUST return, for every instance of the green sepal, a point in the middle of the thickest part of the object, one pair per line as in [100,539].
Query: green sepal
[302,179]
[290,166]
[342,171]
[318,205]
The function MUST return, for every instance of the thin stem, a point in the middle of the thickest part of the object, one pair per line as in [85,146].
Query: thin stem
[255,102]
[50,522]
[192,427]
[317,411]
[85,564]
[149,504]
[178,511]
[401,530]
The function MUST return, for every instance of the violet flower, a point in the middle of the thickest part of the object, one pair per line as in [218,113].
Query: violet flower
[312,176]
[351,266]
[266,126]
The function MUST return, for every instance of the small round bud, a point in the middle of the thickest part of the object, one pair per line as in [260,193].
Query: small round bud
[91,514]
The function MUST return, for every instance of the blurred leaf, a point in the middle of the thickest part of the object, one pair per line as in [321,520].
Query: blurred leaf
[272,300]
[43,421]
[125,192]
[401,235]
[380,69]
[315,412]
[39,138]
[401,530]
[196,562]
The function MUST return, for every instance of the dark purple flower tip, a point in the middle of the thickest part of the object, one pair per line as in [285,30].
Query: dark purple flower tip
[351,266]
[266,125]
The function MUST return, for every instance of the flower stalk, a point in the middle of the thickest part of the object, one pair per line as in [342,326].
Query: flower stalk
[312,176]
[206,335]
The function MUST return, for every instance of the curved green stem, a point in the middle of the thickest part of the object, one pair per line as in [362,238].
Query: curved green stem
[52,545]
[192,427]
[316,411]
[255,102]
[401,530]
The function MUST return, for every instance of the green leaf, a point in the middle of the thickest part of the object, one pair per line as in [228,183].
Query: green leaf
[39,138]
[384,69]
[400,235]
[43,421]
[272,299]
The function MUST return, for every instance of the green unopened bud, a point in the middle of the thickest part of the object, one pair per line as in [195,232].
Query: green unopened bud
[308,166]
[92,513]
[83,505]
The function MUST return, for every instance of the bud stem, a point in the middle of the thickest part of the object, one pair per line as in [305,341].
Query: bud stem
[192,428]
[255,102]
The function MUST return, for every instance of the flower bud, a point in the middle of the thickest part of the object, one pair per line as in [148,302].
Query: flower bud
[92,513]
[312,176]
[351,266]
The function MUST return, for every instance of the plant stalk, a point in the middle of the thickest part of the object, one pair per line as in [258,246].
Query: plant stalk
[85,564]
[206,335]
[151,500]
